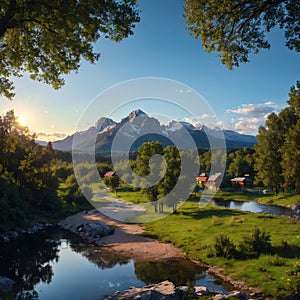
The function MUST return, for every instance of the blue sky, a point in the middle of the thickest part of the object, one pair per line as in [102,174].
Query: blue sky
[162,47]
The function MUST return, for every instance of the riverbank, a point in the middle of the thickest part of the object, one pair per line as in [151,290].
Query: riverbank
[127,239]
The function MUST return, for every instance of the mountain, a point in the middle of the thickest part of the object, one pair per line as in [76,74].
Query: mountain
[138,127]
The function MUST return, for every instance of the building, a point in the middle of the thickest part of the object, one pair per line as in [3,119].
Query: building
[202,178]
[110,174]
[242,182]
[214,181]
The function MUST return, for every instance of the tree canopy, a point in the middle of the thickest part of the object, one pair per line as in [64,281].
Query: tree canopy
[48,39]
[277,153]
[234,29]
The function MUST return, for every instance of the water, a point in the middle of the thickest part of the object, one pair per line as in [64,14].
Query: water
[254,207]
[56,265]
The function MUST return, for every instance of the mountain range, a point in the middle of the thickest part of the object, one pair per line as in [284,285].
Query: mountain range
[140,128]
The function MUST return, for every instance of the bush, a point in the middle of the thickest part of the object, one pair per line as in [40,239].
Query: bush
[216,220]
[258,242]
[276,260]
[224,247]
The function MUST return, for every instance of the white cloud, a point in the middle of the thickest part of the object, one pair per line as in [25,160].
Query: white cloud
[208,120]
[246,118]
[43,136]
[255,109]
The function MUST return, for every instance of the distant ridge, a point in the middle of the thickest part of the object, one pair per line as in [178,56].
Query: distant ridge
[138,125]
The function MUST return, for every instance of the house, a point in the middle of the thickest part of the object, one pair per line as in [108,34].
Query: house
[110,174]
[202,178]
[214,181]
[242,182]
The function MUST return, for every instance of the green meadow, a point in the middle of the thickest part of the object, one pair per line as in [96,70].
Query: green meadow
[194,230]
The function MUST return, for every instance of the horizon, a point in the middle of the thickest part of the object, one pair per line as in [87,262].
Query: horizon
[160,118]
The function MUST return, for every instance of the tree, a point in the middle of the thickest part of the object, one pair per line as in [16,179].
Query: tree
[48,39]
[291,147]
[267,154]
[172,157]
[277,151]
[241,163]
[234,29]
[149,170]
[112,182]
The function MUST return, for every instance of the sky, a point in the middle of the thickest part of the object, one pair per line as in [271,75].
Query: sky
[162,47]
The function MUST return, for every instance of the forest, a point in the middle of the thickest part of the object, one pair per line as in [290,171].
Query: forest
[38,183]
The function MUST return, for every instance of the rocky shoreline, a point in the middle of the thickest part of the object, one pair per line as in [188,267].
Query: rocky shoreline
[168,291]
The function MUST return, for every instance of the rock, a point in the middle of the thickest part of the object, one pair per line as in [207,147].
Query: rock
[13,234]
[295,207]
[5,238]
[219,297]
[201,290]
[237,295]
[163,290]
[6,284]
[94,230]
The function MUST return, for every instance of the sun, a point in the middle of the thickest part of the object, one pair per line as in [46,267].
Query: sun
[23,120]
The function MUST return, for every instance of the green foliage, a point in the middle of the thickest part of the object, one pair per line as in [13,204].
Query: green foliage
[277,153]
[236,29]
[148,169]
[258,241]
[241,162]
[112,182]
[49,39]
[276,260]
[293,279]
[31,178]
[224,246]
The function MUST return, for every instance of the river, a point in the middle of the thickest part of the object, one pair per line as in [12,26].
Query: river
[56,265]
[254,207]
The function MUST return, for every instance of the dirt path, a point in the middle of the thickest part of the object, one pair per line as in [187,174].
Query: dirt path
[126,240]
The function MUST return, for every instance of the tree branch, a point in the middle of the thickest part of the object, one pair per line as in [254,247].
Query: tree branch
[7,20]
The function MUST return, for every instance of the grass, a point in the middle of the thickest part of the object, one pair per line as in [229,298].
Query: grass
[194,230]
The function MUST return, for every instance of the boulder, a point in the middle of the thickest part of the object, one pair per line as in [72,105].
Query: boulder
[4,238]
[13,234]
[163,290]
[201,290]
[6,284]
[94,230]
[219,297]
[295,207]
[237,295]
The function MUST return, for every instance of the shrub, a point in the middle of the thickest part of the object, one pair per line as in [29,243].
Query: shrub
[258,241]
[235,220]
[276,260]
[216,220]
[293,280]
[224,246]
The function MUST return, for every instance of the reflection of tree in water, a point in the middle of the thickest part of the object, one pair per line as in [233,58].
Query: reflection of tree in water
[180,272]
[27,260]
[101,258]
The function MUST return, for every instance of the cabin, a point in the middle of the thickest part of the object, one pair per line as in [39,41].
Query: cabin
[242,182]
[214,181]
[110,174]
[202,178]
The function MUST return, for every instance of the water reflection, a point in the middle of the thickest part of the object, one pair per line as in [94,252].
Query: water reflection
[27,261]
[180,272]
[254,207]
[57,265]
